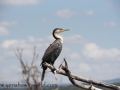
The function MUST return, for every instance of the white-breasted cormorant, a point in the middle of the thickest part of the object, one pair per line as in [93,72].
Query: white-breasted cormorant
[53,51]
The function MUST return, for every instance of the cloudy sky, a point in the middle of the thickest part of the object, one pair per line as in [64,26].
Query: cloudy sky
[91,47]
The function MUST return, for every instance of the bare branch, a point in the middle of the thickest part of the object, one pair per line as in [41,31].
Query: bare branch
[19,56]
[61,64]
[65,71]
[68,73]
[30,72]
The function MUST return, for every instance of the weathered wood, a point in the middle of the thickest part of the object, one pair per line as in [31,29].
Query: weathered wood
[72,77]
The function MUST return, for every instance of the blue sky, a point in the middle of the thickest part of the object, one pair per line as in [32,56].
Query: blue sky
[92,46]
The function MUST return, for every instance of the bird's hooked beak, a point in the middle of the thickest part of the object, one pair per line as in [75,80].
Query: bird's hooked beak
[63,30]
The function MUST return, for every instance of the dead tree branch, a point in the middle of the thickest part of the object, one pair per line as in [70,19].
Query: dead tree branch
[63,70]
[30,71]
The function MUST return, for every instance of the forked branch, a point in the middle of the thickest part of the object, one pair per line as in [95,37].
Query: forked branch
[63,70]
[29,72]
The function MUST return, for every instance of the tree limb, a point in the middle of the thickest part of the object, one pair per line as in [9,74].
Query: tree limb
[65,71]
[31,71]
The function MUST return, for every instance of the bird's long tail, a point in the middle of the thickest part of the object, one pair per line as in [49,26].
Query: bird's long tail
[43,75]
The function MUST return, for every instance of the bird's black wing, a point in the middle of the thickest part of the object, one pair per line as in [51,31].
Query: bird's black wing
[52,52]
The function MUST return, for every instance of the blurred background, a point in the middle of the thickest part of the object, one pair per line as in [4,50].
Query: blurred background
[91,47]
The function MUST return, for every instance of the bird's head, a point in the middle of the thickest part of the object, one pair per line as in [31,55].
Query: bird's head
[59,30]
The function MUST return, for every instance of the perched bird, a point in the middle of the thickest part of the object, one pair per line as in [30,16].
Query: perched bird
[53,51]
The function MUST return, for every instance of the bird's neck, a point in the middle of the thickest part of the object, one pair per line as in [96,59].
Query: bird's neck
[56,36]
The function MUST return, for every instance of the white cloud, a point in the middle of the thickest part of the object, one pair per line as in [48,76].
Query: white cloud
[84,67]
[75,58]
[110,24]
[6,23]
[109,4]
[66,13]
[32,39]
[75,39]
[43,20]
[26,45]
[9,46]
[8,43]
[19,2]
[2,14]
[12,76]
[91,50]
[90,13]
[3,31]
